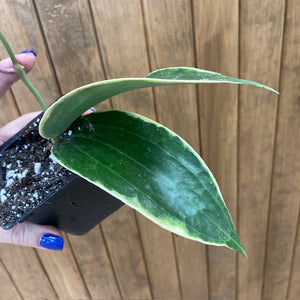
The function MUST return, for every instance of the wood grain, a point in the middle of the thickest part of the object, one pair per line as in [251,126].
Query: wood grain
[294,288]
[169,32]
[217,50]
[93,260]
[124,245]
[160,258]
[8,288]
[285,201]
[252,148]
[72,43]
[27,272]
[126,56]
[21,29]
[123,46]
[62,268]
[170,43]
[73,49]
[261,26]
[192,267]
[8,108]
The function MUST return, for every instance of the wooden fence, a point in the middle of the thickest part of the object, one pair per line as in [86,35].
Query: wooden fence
[249,137]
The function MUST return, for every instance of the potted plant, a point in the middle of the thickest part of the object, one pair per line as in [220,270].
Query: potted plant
[121,155]
[34,187]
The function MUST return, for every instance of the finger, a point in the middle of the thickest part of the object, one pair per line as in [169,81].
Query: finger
[33,235]
[7,74]
[89,111]
[10,129]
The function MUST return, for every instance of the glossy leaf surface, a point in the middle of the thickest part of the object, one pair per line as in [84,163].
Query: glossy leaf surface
[69,107]
[151,169]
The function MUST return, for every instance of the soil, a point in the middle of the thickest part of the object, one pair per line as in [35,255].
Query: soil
[29,174]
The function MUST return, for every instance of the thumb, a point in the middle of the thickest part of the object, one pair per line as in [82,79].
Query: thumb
[7,73]
[32,235]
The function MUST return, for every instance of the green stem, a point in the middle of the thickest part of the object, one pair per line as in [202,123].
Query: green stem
[21,72]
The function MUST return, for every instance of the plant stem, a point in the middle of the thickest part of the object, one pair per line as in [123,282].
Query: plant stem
[21,72]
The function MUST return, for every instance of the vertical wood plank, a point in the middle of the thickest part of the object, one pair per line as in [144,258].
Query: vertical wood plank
[8,288]
[192,268]
[160,258]
[157,243]
[216,37]
[27,272]
[8,109]
[294,288]
[94,263]
[261,26]
[120,32]
[285,201]
[170,43]
[122,238]
[64,273]
[119,27]
[72,43]
[70,35]
[125,55]
[21,28]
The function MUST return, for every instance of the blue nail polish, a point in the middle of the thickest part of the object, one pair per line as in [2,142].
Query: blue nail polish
[29,51]
[93,109]
[51,242]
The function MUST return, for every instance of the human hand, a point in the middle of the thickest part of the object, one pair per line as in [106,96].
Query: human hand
[26,233]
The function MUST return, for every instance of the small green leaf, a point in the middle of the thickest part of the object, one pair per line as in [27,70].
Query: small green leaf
[69,107]
[151,169]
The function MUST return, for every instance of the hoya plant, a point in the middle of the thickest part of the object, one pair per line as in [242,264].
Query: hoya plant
[141,162]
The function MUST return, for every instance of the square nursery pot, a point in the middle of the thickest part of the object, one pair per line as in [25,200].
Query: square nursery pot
[35,188]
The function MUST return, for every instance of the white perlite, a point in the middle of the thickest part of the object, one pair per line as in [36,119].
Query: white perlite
[37,168]
[9,182]
[22,175]
[51,156]
[3,198]
[11,174]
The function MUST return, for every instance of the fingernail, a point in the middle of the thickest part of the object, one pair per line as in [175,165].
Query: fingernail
[51,242]
[29,51]
[93,109]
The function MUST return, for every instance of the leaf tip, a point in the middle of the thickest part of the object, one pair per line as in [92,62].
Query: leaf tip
[271,89]
[235,244]
[239,248]
[243,252]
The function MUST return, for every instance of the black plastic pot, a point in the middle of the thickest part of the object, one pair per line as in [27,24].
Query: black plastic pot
[74,208]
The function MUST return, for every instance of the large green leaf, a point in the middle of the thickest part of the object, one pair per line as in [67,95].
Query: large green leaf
[151,169]
[70,106]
